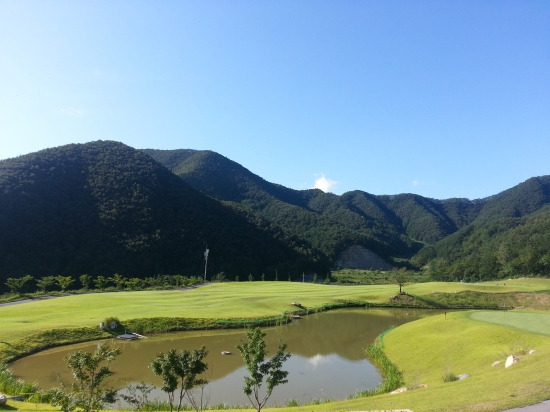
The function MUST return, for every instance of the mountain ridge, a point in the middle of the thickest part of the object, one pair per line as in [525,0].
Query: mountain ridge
[104,207]
[393,226]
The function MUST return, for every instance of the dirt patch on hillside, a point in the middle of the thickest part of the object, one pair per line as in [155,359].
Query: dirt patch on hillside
[404,299]
[535,301]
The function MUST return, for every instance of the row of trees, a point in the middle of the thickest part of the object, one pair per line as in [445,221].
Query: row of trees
[45,284]
[30,284]
[180,373]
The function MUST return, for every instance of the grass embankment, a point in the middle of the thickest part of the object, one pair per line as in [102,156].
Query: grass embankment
[39,324]
[470,342]
[424,350]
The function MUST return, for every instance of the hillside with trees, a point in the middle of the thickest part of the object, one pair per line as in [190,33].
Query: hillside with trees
[103,207]
[328,222]
[428,233]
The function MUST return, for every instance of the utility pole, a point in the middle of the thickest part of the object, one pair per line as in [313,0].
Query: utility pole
[206,261]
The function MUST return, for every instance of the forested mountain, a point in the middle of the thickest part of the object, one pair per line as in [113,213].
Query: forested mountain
[449,232]
[389,225]
[103,207]
[510,237]
[329,222]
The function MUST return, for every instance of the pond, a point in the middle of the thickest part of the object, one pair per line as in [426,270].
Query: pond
[327,363]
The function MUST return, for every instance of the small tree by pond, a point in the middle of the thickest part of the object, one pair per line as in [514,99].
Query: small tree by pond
[400,278]
[254,353]
[181,370]
[89,391]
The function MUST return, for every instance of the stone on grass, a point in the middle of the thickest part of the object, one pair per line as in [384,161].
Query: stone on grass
[510,360]
[463,376]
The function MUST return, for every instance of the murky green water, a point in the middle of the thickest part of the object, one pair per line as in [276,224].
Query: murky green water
[327,362]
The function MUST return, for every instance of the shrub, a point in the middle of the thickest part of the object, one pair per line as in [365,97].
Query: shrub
[449,377]
[14,386]
[392,377]
[291,402]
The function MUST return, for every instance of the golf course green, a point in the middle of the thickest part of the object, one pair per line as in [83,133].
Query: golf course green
[430,352]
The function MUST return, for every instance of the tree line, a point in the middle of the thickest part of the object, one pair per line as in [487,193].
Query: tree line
[45,284]
[104,207]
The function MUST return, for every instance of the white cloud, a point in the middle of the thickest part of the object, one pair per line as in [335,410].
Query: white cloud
[71,111]
[324,183]
[422,183]
[318,360]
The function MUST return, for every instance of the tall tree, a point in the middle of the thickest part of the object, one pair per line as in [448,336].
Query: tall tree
[85,281]
[400,278]
[254,355]
[118,280]
[19,285]
[64,282]
[45,282]
[181,370]
[101,282]
[89,391]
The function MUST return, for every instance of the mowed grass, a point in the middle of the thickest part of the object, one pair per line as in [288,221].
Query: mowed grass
[221,300]
[428,349]
[425,350]
[523,321]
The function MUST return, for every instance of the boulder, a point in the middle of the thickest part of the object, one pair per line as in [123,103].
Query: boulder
[510,360]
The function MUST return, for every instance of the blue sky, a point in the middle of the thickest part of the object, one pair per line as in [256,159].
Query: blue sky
[439,98]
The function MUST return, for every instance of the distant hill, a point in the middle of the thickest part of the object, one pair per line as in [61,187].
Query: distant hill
[400,226]
[389,225]
[510,237]
[329,222]
[103,207]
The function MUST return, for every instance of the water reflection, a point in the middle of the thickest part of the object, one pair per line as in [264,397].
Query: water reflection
[328,360]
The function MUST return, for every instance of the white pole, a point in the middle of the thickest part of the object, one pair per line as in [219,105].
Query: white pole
[205,261]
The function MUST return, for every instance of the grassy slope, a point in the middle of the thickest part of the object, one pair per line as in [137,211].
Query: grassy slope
[428,349]
[230,300]
[425,350]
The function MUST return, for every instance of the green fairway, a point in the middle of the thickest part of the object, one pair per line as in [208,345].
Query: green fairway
[428,349]
[527,321]
[227,300]
[425,350]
